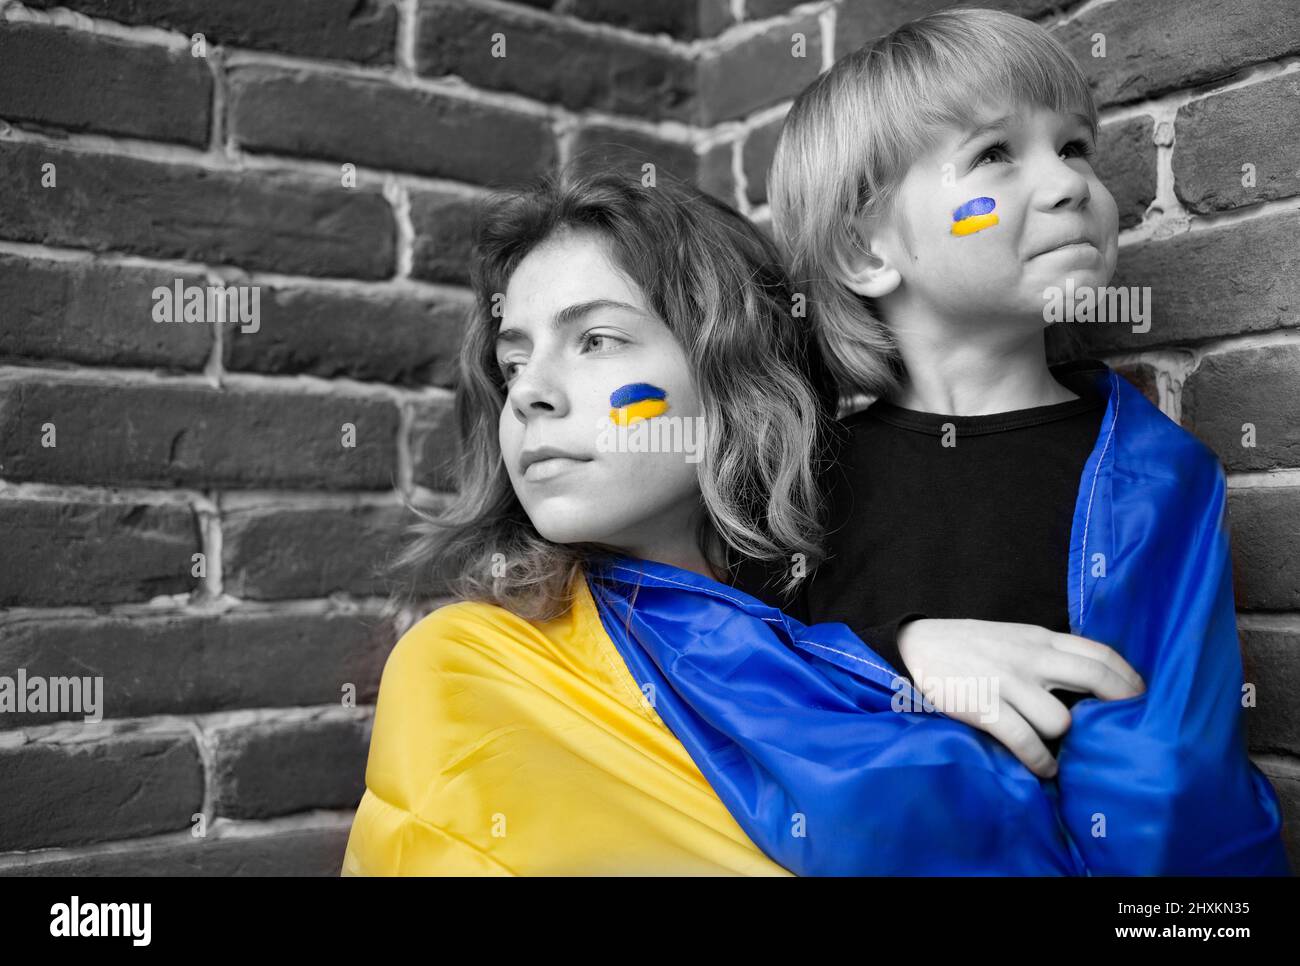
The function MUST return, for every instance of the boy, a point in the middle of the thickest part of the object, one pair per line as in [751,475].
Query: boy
[990,516]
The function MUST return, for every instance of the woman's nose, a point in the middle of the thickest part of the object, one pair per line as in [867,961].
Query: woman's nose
[537,390]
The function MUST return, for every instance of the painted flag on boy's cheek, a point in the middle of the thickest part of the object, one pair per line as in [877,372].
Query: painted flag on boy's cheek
[796,730]
[975,215]
[1161,784]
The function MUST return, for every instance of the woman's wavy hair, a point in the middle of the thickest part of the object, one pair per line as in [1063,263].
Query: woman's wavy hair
[852,134]
[717,282]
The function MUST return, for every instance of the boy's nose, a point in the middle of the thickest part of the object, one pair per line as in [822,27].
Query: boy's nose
[1061,186]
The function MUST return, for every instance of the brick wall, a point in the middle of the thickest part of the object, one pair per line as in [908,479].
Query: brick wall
[184,509]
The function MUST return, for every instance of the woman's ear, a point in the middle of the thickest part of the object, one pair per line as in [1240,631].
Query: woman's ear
[868,266]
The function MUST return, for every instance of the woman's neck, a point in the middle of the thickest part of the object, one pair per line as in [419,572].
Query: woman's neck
[673,540]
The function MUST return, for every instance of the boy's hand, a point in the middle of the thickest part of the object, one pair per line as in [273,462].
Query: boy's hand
[1013,667]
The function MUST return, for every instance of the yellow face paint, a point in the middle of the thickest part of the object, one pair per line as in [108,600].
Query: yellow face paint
[636,400]
[975,215]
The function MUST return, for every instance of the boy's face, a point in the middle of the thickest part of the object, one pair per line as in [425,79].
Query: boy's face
[997,213]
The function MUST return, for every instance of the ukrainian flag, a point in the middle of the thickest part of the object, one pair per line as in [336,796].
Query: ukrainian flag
[975,215]
[638,400]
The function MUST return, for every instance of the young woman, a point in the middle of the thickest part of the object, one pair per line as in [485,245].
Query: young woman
[635,416]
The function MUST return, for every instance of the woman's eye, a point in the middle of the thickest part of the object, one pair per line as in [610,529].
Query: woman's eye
[1080,149]
[993,151]
[596,337]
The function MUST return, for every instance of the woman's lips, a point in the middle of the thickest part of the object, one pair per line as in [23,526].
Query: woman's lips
[551,467]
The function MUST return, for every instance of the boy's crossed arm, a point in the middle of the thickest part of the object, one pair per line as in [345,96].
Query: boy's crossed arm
[1161,783]
[1023,662]
[1153,780]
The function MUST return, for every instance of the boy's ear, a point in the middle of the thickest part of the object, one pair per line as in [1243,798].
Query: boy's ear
[867,268]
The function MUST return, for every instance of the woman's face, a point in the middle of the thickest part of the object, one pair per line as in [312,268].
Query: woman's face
[577,341]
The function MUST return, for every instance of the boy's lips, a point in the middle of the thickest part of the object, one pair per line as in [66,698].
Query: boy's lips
[1073,241]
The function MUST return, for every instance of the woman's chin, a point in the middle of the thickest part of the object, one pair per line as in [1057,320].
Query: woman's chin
[571,528]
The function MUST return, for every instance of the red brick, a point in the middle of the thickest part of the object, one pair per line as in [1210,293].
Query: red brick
[715,174]
[191,663]
[277,768]
[857,22]
[95,791]
[359,30]
[443,222]
[603,147]
[1265,546]
[58,552]
[759,149]
[1217,135]
[94,313]
[763,9]
[174,434]
[1271,659]
[89,82]
[761,70]
[1126,165]
[376,124]
[394,337]
[601,71]
[1258,386]
[1163,45]
[289,852]
[687,19]
[108,202]
[1208,283]
[272,551]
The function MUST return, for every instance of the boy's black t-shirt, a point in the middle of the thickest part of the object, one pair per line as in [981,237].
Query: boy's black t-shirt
[979,528]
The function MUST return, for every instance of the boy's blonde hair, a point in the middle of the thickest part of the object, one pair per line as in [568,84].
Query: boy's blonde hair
[851,136]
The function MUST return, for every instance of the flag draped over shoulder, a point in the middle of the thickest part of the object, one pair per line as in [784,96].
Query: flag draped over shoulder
[506,746]
[796,730]
[1160,784]
[801,732]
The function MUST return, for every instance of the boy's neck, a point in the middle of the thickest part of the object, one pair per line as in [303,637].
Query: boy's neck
[976,377]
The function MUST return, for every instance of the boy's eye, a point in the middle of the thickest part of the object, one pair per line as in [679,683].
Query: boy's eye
[1079,148]
[992,152]
[507,370]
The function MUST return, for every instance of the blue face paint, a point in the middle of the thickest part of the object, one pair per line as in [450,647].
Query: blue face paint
[975,215]
[636,400]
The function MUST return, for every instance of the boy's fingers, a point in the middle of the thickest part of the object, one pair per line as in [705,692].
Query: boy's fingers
[1095,650]
[1016,734]
[1072,672]
[1041,709]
